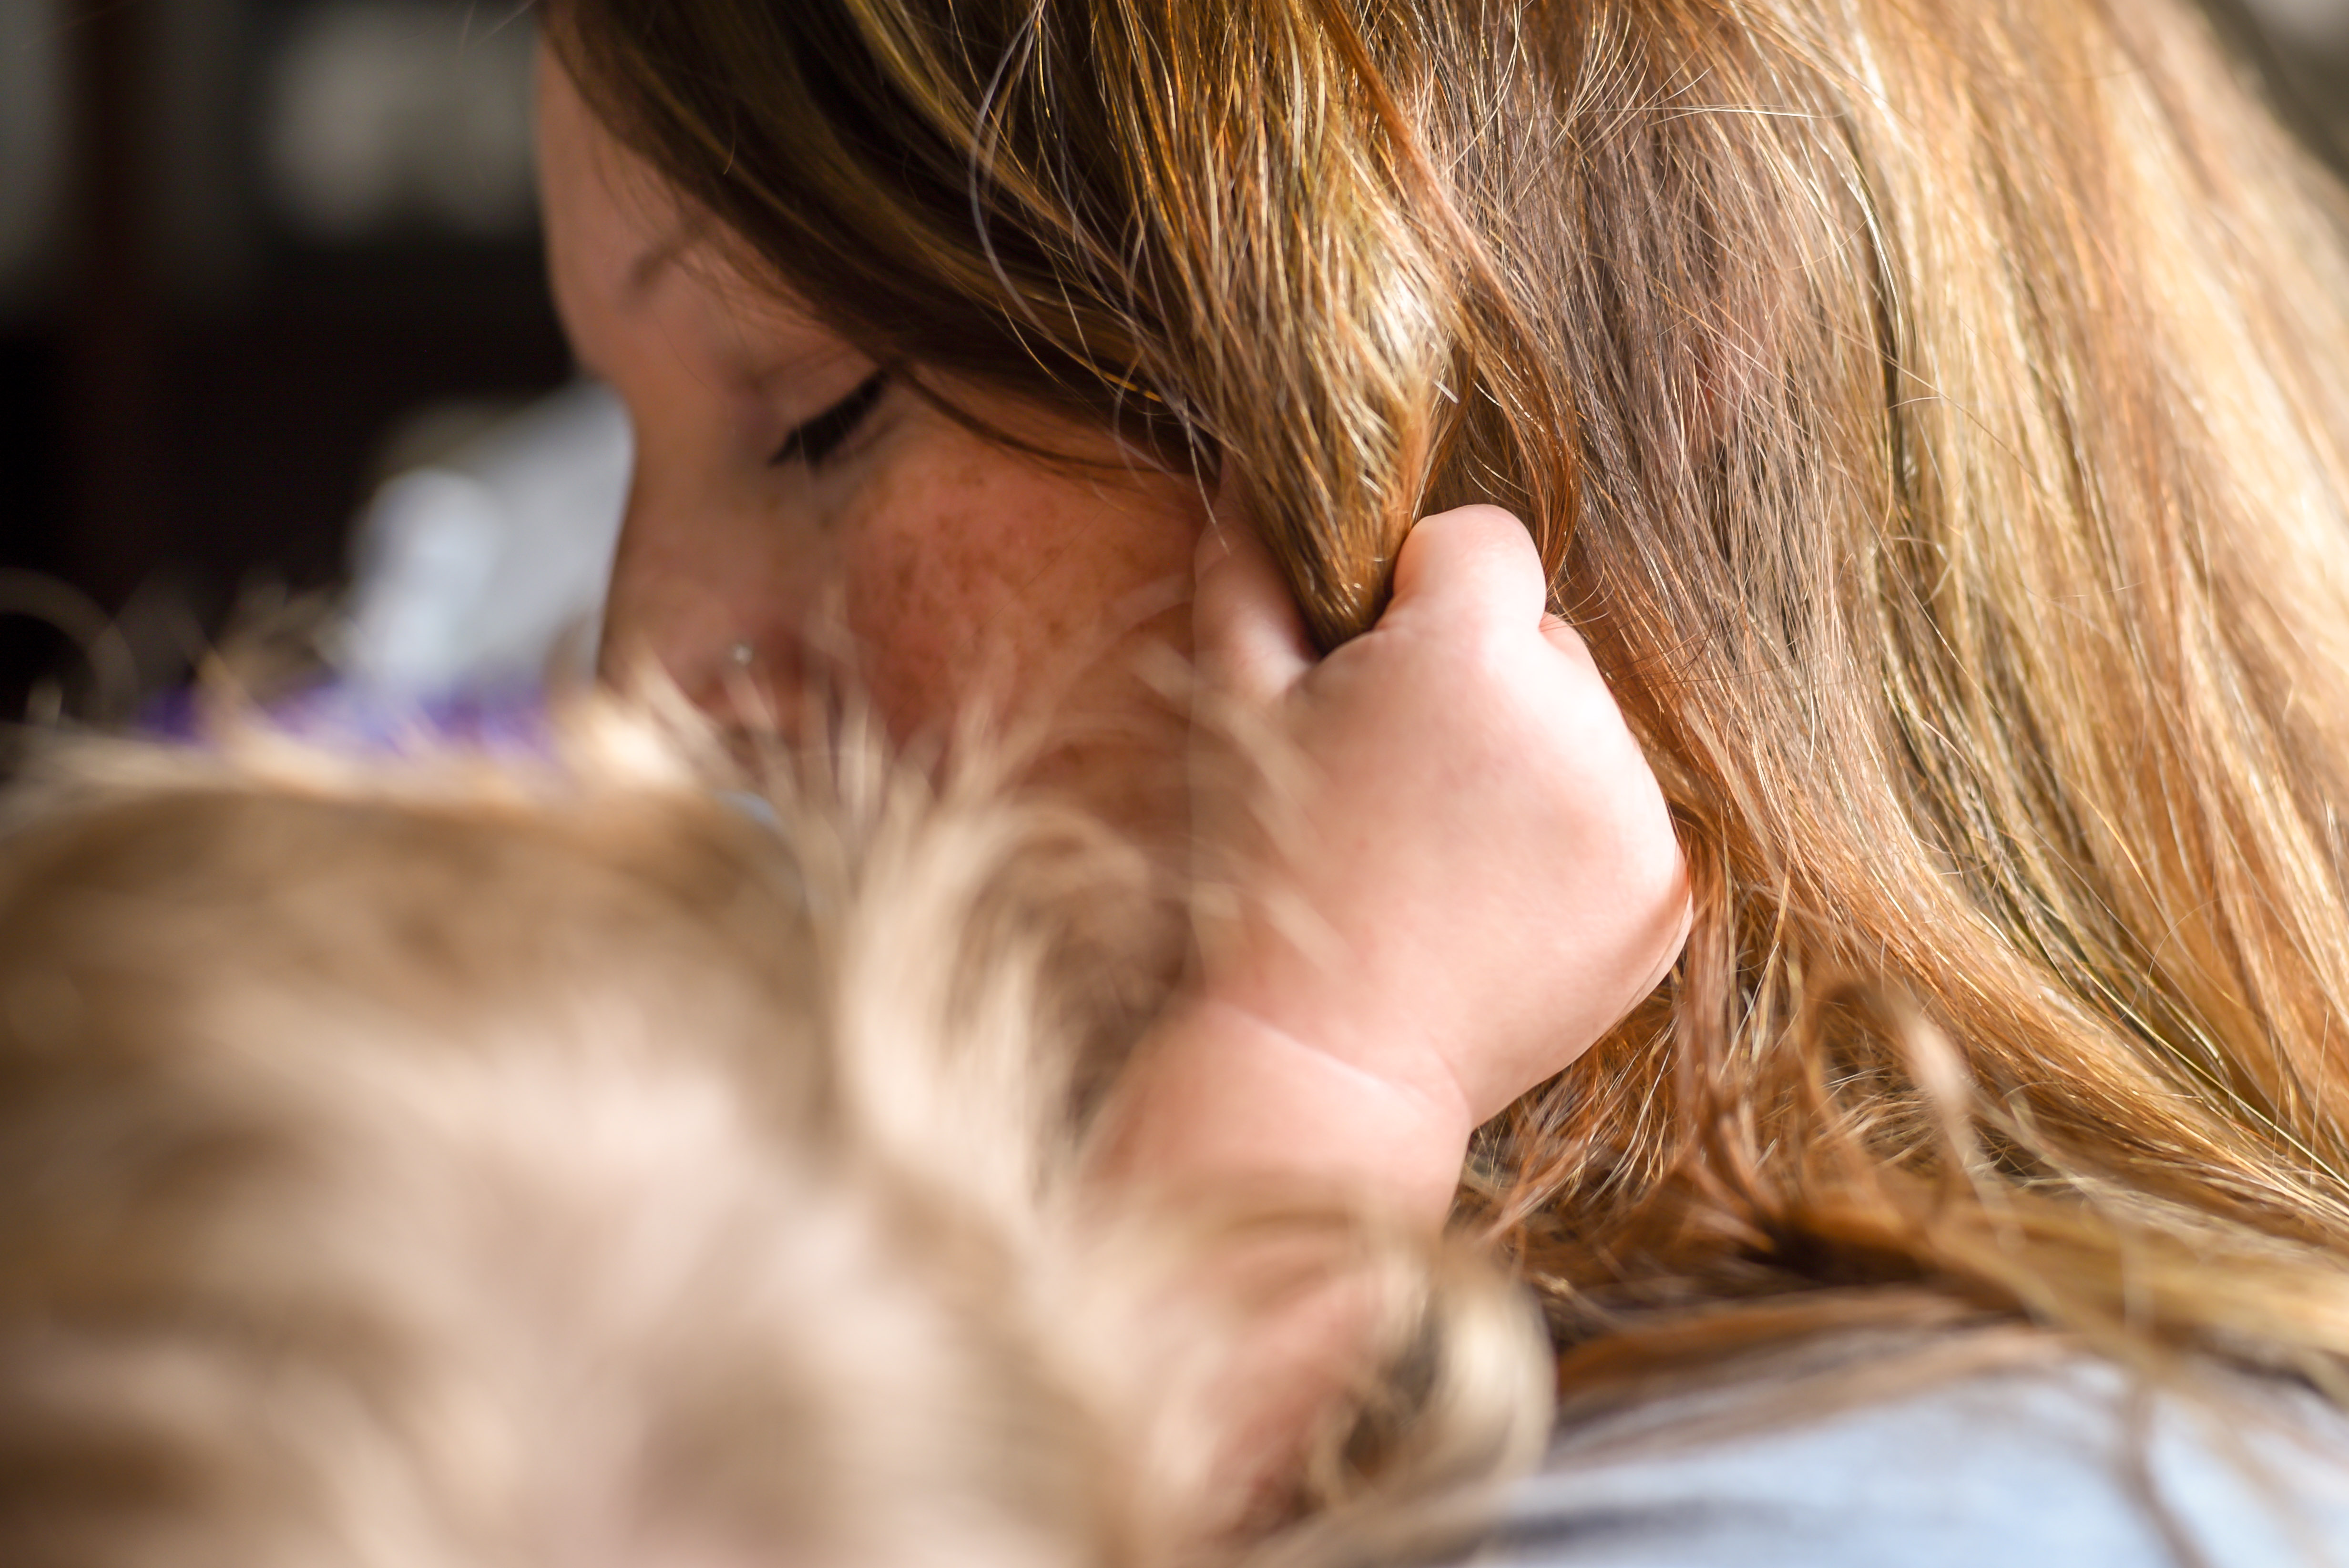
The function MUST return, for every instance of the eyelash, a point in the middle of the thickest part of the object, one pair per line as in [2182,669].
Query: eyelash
[814,441]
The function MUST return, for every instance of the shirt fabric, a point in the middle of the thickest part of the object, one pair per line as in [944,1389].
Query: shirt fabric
[2051,1464]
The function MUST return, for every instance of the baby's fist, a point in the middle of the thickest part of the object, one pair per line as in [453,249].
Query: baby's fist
[1485,864]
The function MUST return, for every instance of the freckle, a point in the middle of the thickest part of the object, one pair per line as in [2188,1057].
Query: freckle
[44,1011]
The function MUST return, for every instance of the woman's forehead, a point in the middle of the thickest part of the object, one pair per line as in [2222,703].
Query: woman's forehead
[625,243]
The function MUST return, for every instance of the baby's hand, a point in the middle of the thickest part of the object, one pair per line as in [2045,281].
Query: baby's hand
[1483,878]
[1487,867]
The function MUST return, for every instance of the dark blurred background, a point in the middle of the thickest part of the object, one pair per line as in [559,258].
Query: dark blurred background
[250,249]
[242,242]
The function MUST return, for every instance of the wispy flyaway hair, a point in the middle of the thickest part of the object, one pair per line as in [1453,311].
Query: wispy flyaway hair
[548,1162]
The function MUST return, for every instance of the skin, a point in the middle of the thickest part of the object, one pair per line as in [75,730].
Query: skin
[942,572]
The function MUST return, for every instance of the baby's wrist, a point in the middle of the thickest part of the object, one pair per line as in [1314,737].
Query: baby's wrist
[1219,1100]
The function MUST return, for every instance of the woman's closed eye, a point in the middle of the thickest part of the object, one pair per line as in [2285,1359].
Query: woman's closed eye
[814,440]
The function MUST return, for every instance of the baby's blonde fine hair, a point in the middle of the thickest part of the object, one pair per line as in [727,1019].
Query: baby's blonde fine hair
[550,1161]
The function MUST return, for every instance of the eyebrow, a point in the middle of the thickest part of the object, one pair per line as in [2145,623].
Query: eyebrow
[647,269]
[662,254]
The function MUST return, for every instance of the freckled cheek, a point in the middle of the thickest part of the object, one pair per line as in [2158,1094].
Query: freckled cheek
[984,579]
[930,585]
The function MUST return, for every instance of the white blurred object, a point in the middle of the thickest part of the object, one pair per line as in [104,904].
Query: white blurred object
[32,136]
[477,573]
[390,112]
[2305,21]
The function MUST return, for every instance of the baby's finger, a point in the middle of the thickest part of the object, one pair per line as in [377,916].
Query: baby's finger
[1473,562]
[1247,634]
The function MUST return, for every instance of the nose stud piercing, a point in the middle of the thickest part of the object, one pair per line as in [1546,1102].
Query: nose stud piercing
[742,653]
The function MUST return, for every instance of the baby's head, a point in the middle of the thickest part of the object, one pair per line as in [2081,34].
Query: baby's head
[564,1165]
[560,1164]
[460,1168]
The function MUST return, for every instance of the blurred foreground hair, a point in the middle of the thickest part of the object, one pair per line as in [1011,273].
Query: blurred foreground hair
[549,1160]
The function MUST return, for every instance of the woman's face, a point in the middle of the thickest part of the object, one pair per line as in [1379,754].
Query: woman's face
[786,504]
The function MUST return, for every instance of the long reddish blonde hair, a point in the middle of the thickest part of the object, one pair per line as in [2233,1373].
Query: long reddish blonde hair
[1932,413]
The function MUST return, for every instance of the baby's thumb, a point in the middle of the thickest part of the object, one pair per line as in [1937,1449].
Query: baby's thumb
[1473,563]
[1247,634]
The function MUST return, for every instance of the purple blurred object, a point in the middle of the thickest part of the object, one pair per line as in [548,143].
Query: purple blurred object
[510,721]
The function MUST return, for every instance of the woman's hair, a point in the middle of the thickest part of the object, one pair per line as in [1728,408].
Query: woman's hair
[424,1161]
[1933,414]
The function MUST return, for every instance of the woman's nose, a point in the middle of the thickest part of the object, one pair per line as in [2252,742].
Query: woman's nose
[711,590]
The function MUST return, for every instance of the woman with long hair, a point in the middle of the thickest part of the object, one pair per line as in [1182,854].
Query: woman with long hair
[1933,416]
